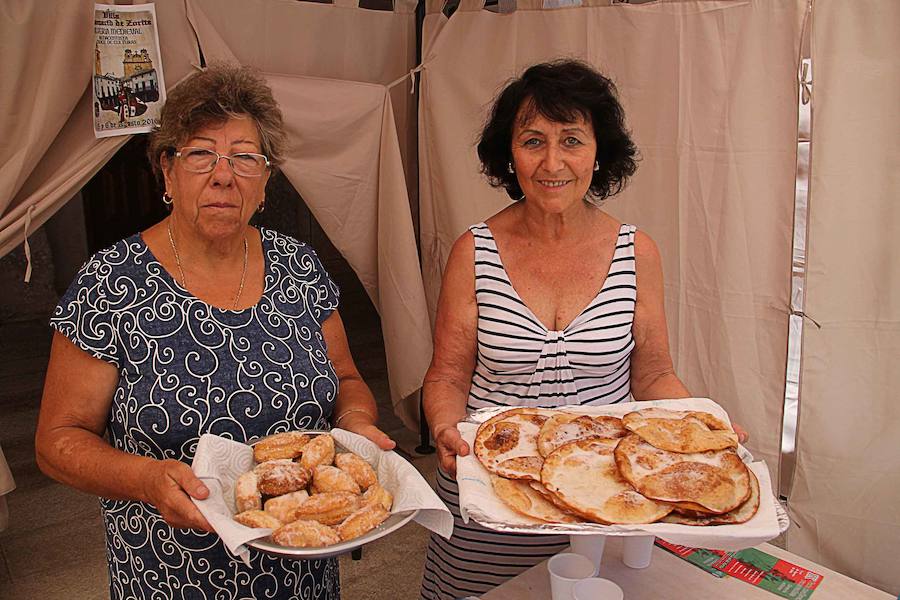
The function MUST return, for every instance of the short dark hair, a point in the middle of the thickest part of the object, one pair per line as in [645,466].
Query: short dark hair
[212,96]
[561,91]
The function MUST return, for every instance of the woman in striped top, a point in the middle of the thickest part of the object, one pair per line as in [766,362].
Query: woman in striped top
[520,319]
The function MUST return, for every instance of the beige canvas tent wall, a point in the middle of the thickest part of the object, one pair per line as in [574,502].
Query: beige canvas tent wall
[710,89]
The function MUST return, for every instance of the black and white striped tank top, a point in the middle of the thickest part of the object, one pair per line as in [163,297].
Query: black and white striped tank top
[522,363]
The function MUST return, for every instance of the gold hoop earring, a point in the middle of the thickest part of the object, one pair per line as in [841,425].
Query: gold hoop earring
[167,199]
[596,165]
[509,168]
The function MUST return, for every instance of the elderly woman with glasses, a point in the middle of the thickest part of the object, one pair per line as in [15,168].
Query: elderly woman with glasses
[200,324]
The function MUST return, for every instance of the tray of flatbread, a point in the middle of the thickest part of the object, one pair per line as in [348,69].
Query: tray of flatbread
[672,468]
[311,494]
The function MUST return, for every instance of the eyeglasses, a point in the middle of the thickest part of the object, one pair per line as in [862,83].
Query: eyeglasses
[204,160]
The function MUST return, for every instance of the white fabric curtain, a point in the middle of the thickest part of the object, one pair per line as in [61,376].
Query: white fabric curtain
[846,493]
[345,160]
[710,91]
[48,151]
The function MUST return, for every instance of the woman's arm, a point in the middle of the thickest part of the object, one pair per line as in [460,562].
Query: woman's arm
[652,374]
[78,392]
[449,377]
[355,409]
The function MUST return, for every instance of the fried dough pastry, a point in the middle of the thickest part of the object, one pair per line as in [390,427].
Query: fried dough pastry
[305,534]
[283,507]
[378,495]
[331,479]
[524,499]
[712,482]
[257,518]
[506,444]
[246,493]
[741,514]
[682,431]
[361,471]
[328,508]
[281,445]
[282,476]
[363,520]
[319,451]
[568,427]
[584,477]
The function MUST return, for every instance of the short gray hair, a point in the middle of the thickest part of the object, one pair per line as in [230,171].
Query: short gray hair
[220,92]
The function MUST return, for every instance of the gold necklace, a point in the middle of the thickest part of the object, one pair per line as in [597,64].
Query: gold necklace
[181,271]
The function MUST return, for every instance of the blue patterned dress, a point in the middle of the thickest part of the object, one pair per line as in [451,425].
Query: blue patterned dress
[185,369]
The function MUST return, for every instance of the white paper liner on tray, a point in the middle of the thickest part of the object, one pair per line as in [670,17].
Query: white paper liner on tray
[219,461]
[478,501]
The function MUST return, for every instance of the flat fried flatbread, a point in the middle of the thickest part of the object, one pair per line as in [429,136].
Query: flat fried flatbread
[584,477]
[741,514]
[523,499]
[713,482]
[680,431]
[506,444]
[563,428]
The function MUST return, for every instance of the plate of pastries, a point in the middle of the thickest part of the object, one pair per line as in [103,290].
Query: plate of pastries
[652,465]
[318,499]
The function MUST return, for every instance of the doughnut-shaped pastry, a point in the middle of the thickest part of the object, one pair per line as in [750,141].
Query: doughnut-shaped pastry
[281,445]
[282,476]
[246,493]
[305,534]
[257,518]
[362,521]
[328,508]
[282,507]
[361,471]
[319,451]
[331,479]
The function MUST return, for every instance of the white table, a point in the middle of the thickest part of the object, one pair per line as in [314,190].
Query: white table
[670,577]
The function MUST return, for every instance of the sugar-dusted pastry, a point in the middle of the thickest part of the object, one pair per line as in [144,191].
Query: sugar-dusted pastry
[712,482]
[328,508]
[565,427]
[305,534]
[361,471]
[257,518]
[526,500]
[331,479]
[361,521]
[583,476]
[282,476]
[319,451]
[680,431]
[506,444]
[378,495]
[246,493]
[281,445]
[741,514]
[283,507]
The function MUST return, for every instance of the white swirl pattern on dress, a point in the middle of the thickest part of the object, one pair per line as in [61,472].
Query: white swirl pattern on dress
[188,368]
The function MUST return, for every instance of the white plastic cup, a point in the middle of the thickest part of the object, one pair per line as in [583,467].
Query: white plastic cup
[590,546]
[597,588]
[637,550]
[566,569]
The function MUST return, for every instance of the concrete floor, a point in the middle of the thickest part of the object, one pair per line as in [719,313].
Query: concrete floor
[54,547]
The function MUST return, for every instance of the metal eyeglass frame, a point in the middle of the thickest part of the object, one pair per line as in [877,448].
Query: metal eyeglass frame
[215,163]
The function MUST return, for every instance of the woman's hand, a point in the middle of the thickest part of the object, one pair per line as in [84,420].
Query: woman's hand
[370,432]
[449,445]
[742,433]
[167,486]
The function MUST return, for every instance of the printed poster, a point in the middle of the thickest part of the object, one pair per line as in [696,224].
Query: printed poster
[129,90]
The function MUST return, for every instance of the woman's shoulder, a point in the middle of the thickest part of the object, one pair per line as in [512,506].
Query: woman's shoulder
[284,244]
[120,259]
